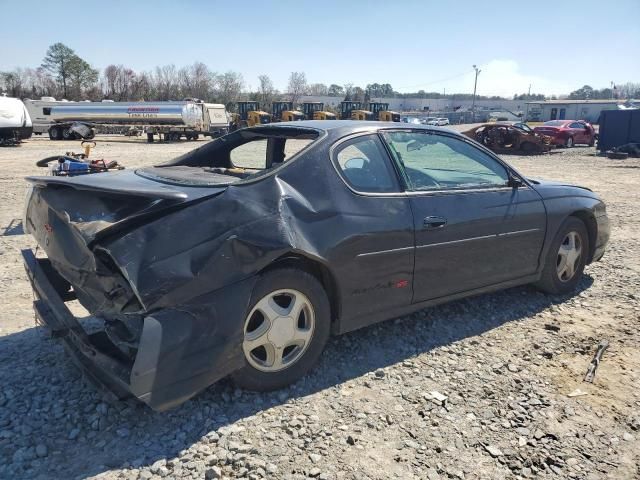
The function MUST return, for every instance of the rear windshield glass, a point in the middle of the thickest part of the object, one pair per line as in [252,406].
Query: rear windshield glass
[242,155]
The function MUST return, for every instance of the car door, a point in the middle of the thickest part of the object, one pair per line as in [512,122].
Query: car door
[375,256]
[471,229]
[576,131]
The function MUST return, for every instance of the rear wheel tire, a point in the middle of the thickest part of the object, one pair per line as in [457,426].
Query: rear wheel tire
[566,258]
[285,330]
[55,133]
[67,134]
[569,142]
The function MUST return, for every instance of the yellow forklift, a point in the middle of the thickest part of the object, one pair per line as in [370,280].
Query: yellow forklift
[381,112]
[361,115]
[284,112]
[249,115]
[315,111]
[354,111]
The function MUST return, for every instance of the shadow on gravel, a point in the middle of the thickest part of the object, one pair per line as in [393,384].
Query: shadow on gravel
[13,228]
[54,425]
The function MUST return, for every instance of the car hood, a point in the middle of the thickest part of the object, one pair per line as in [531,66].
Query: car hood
[553,189]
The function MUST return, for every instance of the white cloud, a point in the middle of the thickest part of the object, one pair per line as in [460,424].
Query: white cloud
[503,77]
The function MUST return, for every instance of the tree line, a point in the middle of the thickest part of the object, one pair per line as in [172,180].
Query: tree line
[64,74]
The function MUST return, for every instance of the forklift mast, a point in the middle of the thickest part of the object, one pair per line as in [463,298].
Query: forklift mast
[376,108]
[245,107]
[278,107]
[309,108]
[347,107]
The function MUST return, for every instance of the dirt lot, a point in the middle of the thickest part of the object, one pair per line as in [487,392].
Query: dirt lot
[506,361]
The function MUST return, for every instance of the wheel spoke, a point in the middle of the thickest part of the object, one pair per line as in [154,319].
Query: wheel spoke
[257,338]
[569,270]
[270,309]
[274,356]
[295,308]
[301,336]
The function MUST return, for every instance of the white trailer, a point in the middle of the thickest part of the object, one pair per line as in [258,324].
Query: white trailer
[170,120]
[15,123]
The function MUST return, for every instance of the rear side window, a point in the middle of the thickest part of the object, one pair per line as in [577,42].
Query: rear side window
[364,164]
[251,155]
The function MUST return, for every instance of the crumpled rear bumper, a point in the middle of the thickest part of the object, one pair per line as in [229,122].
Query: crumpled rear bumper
[181,351]
[51,311]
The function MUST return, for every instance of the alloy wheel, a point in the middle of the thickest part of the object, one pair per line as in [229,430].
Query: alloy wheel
[278,330]
[569,256]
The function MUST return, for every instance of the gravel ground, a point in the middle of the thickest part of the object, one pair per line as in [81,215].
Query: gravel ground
[477,388]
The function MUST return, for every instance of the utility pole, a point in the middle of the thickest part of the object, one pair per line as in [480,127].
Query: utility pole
[475,85]
[529,94]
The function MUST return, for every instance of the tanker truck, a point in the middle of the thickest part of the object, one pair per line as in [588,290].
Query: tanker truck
[169,120]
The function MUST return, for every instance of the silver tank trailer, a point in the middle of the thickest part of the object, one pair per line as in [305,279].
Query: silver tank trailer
[184,114]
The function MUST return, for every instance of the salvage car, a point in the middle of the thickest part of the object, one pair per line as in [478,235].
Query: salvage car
[241,257]
[509,137]
[440,122]
[567,133]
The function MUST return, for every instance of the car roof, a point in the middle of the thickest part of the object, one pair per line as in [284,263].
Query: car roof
[345,127]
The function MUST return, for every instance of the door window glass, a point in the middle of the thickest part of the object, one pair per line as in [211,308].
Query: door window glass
[440,162]
[365,165]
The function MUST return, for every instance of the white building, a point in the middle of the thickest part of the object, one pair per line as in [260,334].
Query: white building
[589,110]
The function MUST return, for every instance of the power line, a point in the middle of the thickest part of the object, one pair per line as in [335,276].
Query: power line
[437,81]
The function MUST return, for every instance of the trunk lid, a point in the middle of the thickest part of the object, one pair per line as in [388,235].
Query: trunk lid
[547,130]
[67,216]
[93,205]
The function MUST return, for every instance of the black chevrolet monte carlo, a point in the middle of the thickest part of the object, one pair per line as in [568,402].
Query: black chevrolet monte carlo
[241,257]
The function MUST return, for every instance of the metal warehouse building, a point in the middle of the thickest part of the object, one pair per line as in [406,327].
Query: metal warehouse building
[589,110]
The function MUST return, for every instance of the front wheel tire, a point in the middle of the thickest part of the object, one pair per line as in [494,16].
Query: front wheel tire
[285,330]
[566,258]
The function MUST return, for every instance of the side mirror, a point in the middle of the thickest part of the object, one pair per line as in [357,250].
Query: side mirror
[514,182]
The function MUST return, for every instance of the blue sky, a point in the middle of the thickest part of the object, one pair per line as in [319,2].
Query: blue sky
[557,46]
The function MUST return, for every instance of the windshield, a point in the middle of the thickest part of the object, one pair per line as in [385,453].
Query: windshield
[555,123]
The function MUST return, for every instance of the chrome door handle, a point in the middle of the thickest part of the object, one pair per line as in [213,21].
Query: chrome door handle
[434,222]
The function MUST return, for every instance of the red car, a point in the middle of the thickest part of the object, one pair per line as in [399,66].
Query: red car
[568,133]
